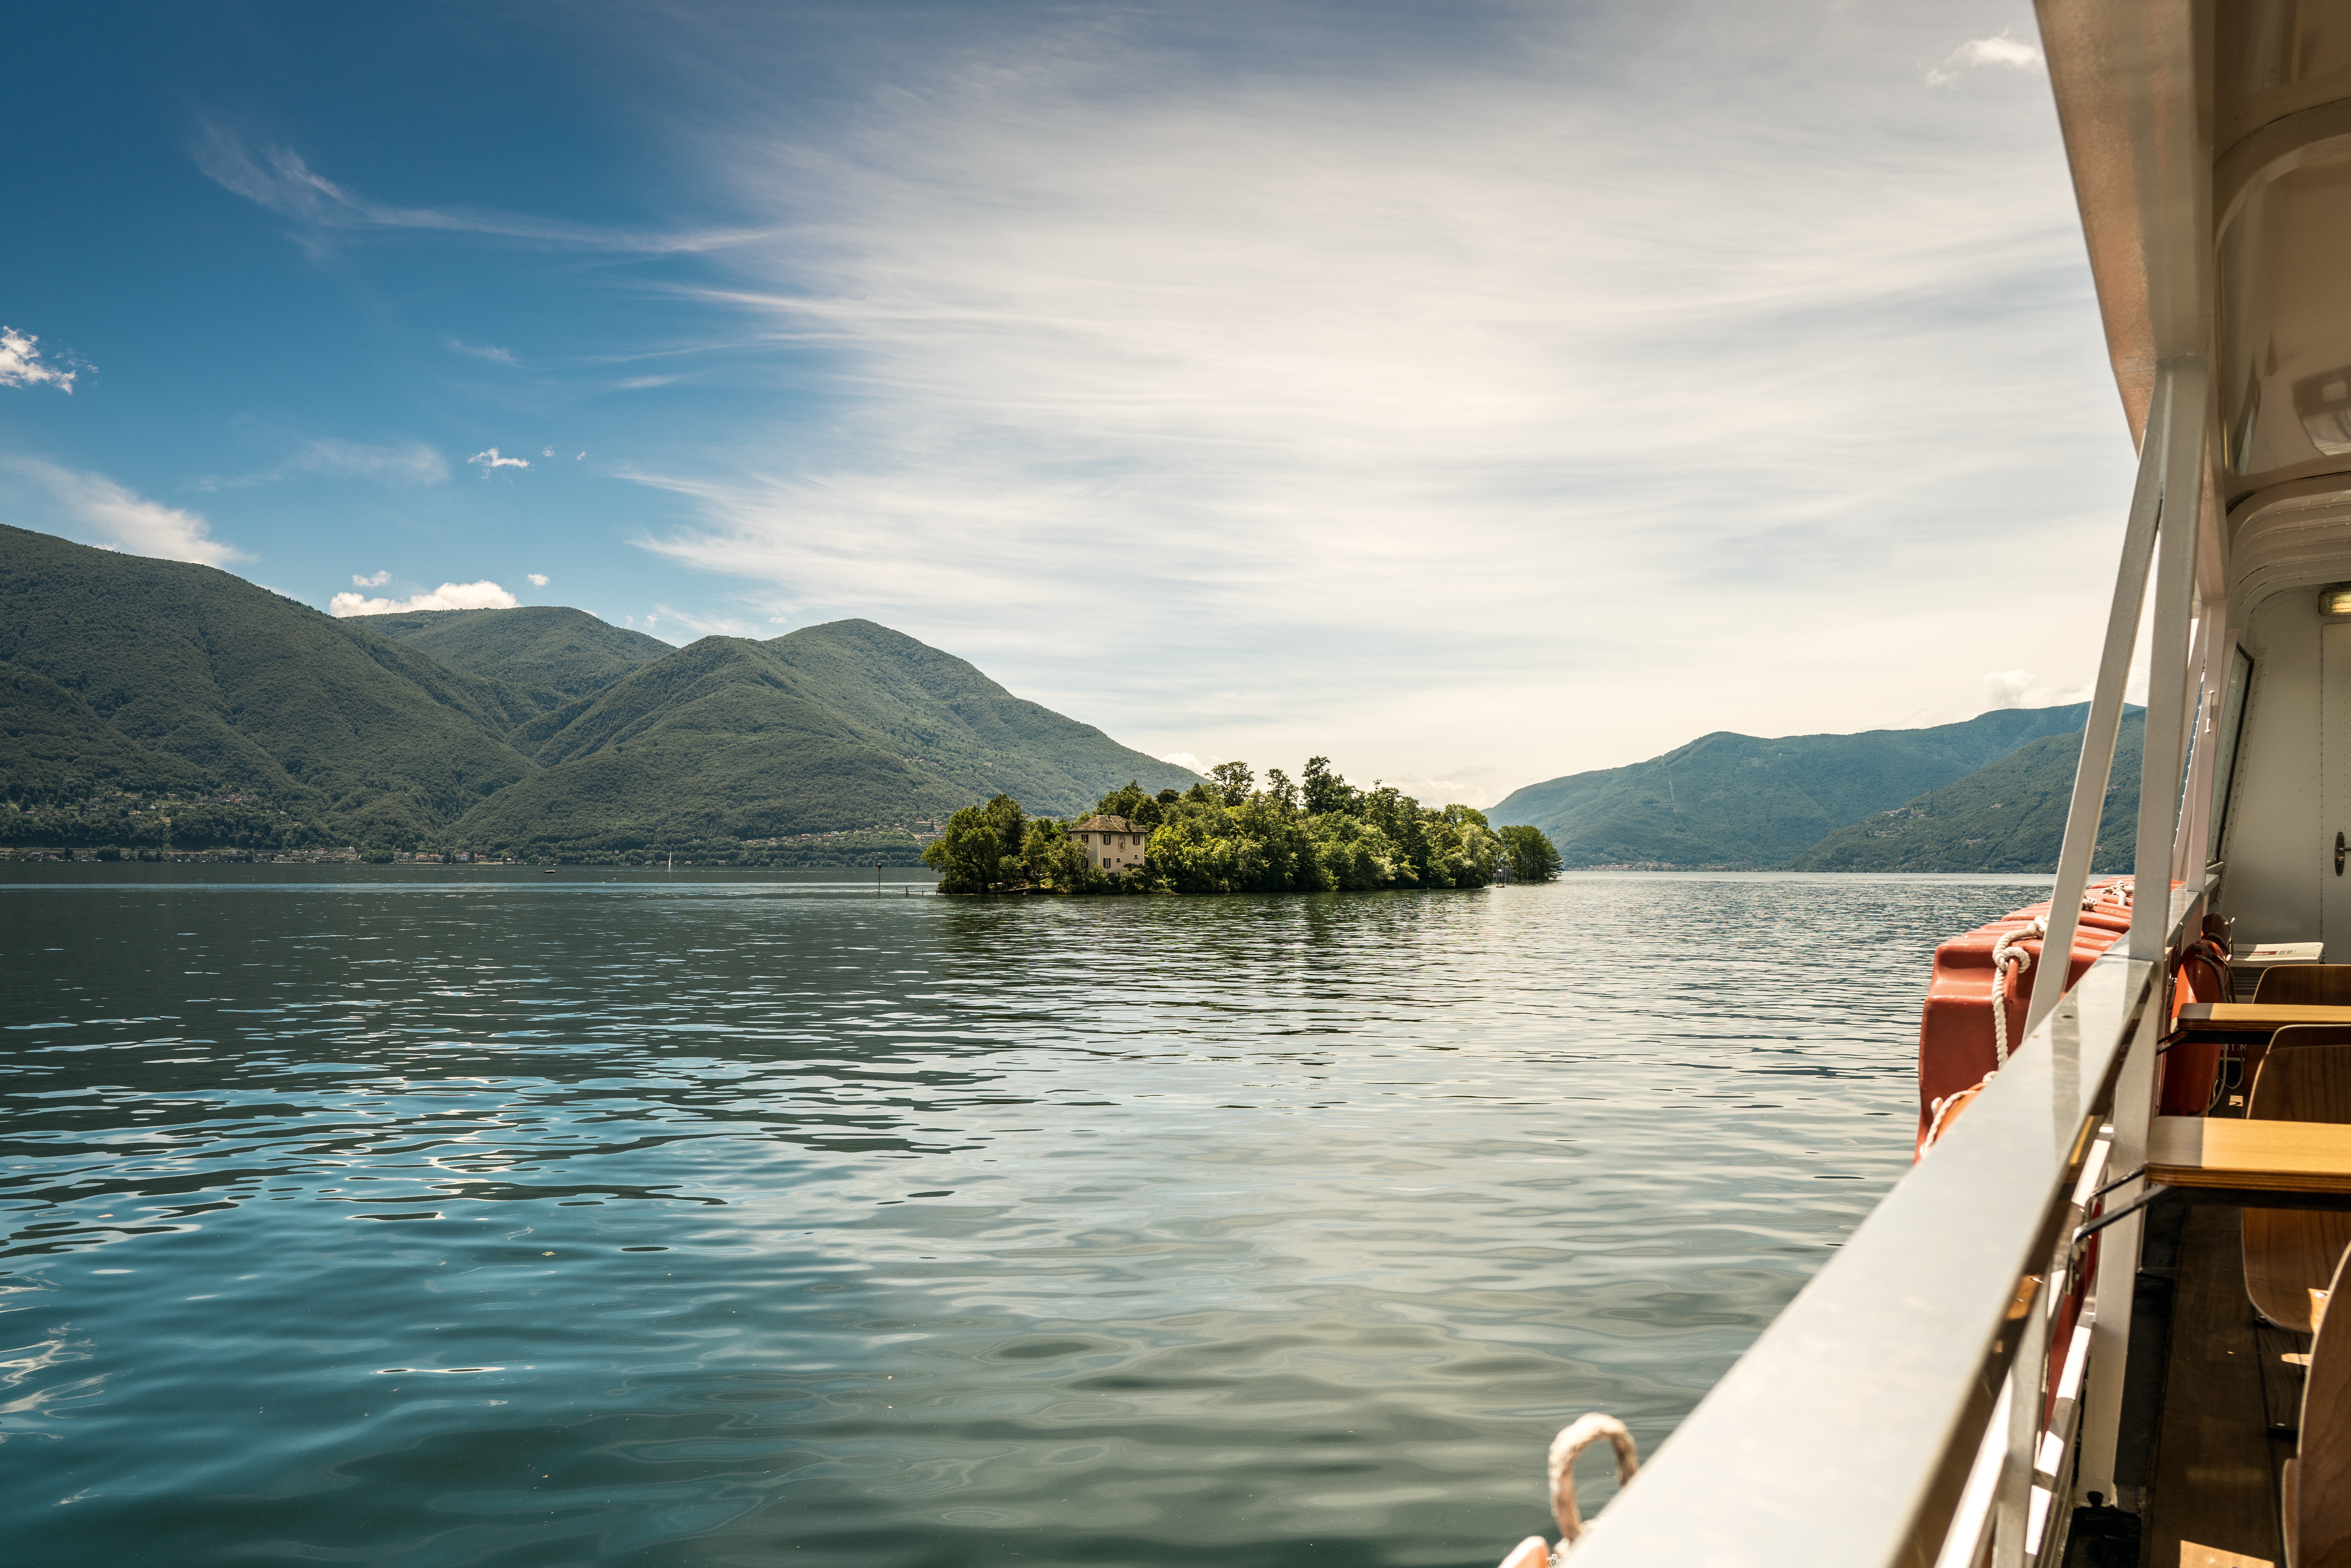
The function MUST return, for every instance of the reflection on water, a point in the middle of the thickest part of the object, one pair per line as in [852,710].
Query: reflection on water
[448,1217]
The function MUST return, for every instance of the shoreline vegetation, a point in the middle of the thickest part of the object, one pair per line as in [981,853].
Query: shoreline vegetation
[1227,834]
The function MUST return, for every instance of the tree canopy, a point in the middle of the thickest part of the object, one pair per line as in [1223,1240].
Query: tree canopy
[1318,834]
[1533,857]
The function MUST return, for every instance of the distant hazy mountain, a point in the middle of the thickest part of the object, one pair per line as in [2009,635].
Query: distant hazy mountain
[565,650]
[2008,816]
[139,698]
[1729,799]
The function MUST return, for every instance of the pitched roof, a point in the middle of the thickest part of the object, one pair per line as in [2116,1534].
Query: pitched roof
[1105,825]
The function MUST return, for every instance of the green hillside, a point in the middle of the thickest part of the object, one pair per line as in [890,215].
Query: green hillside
[155,703]
[254,692]
[1735,801]
[825,730]
[561,650]
[54,748]
[2008,816]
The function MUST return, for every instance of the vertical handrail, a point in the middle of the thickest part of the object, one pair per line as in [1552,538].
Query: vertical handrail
[2028,1320]
[2166,667]
[2187,856]
[2105,722]
[2220,666]
[2183,468]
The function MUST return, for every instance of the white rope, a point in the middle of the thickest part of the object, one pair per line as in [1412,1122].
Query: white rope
[1573,1440]
[1944,1107]
[2007,953]
[2008,950]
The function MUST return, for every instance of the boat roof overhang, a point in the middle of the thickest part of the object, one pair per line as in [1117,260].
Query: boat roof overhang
[2209,143]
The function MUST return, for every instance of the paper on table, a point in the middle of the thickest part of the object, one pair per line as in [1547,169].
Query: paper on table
[2280,953]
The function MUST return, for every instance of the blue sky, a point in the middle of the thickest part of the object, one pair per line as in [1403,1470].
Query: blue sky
[1472,393]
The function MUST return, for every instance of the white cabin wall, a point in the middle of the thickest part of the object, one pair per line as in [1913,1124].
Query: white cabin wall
[2273,839]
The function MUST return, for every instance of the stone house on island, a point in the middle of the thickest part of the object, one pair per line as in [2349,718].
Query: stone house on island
[1112,843]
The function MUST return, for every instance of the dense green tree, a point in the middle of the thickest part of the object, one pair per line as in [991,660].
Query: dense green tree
[1533,857]
[1130,802]
[1004,815]
[979,849]
[1223,837]
[1051,858]
[1324,791]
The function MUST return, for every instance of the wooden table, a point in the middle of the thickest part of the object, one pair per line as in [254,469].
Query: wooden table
[2207,1156]
[2246,1018]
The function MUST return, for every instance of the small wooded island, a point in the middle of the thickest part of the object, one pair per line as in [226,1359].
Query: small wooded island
[1317,834]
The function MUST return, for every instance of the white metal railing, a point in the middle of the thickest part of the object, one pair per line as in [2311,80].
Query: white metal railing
[1894,1413]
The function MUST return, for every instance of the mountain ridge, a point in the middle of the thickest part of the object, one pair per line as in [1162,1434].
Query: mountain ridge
[134,690]
[1737,801]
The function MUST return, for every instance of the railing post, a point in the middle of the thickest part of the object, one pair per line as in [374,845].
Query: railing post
[2181,467]
[2166,667]
[2218,640]
[2097,760]
[2118,1278]
[2187,852]
[2029,1320]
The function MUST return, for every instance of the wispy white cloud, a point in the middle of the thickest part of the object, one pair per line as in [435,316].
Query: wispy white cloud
[401,463]
[490,460]
[21,364]
[537,578]
[377,581]
[482,351]
[1464,415]
[95,510]
[279,179]
[1478,786]
[482,595]
[2000,49]
[2022,688]
[706,626]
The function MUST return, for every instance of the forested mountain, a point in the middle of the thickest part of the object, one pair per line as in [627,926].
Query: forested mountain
[1729,799]
[147,701]
[825,728]
[244,692]
[2008,816]
[564,651]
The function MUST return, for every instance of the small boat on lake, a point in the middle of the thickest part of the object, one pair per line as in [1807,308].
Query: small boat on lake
[2089,1327]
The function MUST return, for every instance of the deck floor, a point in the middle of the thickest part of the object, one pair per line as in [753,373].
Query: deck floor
[2218,1453]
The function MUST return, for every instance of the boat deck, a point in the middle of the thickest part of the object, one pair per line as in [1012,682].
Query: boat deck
[2229,1404]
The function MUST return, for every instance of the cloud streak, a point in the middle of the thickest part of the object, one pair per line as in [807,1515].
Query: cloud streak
[482,595]
[95,510]
[495,355]
[1376,415]
[490,461]
[2022,688]
[1997,50]
[281,180]
[404,463]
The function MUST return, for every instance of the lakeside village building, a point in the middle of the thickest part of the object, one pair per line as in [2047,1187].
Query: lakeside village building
[1113,843]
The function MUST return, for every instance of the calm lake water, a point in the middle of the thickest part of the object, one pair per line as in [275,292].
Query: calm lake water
[440,1216]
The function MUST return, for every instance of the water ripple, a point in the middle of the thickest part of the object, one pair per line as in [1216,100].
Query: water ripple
[451,1219]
